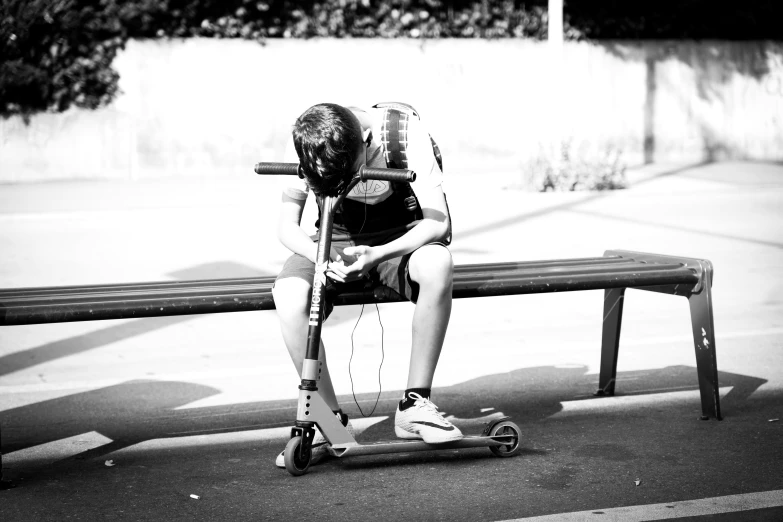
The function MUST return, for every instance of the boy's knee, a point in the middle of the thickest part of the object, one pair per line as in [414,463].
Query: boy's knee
[291,295]
[432,263]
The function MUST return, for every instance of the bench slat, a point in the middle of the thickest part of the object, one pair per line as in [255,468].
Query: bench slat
[521,265]
[158,293]
[9,293]
[135,308]
[555,270]
[14,293]
[218,286]
[572,282]
[661,274]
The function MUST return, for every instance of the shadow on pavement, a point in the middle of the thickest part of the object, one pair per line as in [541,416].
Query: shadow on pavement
[678,228]
[52,351]
[125,329]
[570,205]
[137,411]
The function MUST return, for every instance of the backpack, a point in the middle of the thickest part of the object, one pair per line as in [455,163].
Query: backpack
[394,138]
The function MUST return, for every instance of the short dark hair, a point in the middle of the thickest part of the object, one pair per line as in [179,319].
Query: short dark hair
[326,138]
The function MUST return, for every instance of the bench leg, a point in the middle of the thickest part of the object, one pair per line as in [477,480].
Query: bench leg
[610,339]
[704,341]
[4,484]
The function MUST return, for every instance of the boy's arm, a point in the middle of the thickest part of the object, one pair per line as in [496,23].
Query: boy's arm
[292,236]
[294,198]
[433,227]
[289,231]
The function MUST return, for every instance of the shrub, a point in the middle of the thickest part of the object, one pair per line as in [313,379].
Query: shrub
[571,170]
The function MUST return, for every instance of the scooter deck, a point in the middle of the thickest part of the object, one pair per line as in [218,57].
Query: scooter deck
[405,446]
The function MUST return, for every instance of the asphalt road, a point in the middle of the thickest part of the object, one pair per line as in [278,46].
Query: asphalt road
[130,419]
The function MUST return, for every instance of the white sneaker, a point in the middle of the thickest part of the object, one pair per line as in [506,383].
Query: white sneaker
[320,446]
[424,421]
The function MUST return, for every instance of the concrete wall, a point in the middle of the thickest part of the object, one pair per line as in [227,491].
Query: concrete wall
[204,107]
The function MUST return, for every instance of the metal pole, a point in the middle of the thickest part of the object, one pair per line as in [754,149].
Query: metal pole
[555,47]
[555,29]
[318,297]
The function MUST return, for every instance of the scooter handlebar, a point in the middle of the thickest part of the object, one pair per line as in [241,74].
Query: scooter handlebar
[404,175]
[277,168]
[365,173]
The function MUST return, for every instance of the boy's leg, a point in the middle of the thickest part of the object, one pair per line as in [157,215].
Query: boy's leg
[432,269]
[292,300]
[425,277]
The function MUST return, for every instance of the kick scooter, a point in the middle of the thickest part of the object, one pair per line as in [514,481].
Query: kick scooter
[501,436]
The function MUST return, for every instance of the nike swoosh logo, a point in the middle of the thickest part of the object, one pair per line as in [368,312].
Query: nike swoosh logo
[433,425]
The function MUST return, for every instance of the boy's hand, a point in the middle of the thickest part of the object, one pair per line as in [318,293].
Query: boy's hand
[339,271]
[366,258]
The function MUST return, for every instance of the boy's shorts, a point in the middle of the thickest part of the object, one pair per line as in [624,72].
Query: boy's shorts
[393,274]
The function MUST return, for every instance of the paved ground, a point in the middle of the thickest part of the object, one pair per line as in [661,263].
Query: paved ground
[201,405]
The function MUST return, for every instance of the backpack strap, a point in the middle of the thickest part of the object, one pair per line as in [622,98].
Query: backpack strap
[394,134]
[394,138]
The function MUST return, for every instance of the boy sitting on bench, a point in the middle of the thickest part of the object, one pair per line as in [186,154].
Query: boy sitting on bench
[383,234]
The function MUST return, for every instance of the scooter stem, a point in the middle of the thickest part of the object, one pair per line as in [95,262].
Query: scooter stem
[310,368]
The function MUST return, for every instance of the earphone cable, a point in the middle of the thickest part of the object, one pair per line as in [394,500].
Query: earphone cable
[378,310]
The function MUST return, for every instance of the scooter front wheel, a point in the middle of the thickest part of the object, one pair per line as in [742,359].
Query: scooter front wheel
[510,432]
[295,463]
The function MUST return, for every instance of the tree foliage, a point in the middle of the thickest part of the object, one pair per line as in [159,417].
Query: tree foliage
[677,19]
[57,54]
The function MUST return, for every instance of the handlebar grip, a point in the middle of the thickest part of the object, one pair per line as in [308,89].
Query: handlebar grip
[404,175]
[277,168]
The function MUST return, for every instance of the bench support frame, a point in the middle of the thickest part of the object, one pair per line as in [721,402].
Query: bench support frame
[702,323]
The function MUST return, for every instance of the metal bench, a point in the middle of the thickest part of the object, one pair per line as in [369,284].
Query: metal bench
[616,271]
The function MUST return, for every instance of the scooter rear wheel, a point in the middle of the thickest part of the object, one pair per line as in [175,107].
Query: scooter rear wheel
[506,429]
[295,464]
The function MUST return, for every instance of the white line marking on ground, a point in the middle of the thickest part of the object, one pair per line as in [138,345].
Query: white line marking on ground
[647,390]
[667,510]
[629,402]
[193,376]
[57,449]
[689,338]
